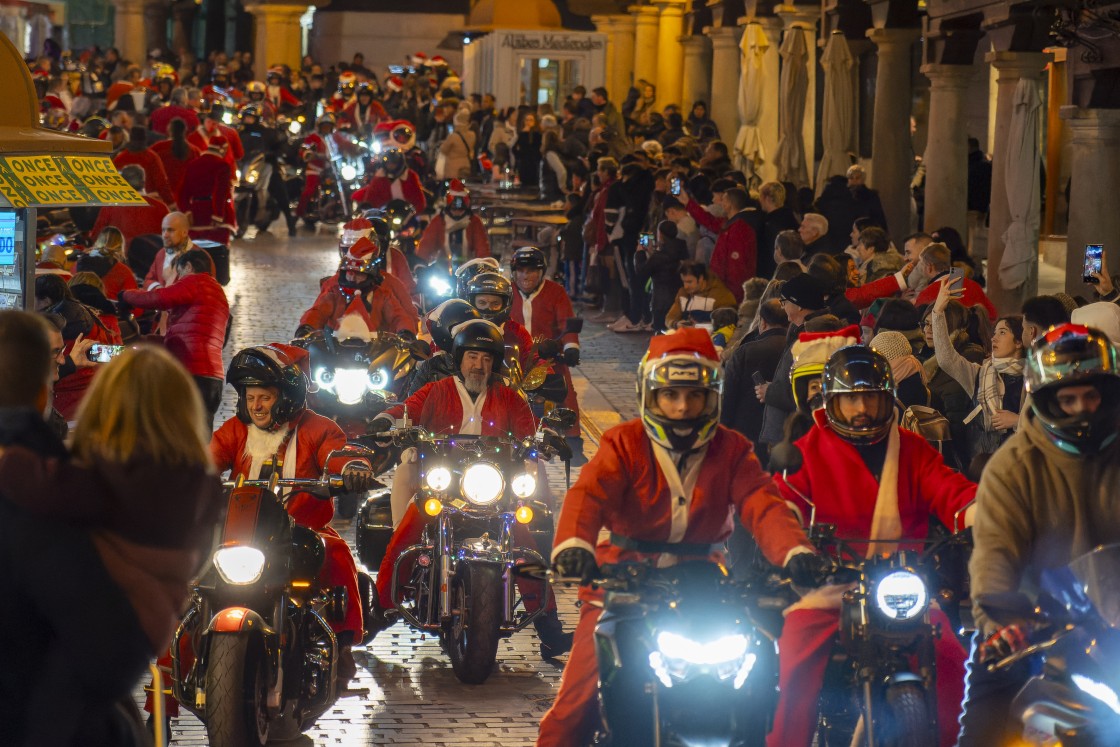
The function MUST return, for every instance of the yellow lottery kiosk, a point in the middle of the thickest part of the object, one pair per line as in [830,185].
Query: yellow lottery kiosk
[41,168]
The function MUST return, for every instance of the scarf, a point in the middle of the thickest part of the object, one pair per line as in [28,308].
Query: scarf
[905,367]
[989,386]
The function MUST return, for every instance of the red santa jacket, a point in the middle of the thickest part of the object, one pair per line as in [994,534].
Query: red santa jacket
[118,278]
[155,178]
[624,488]
[133,220]
[439,407]
[280,98]
[315,436]
[399,290]
[844,490]
[973,295]
[162,117]
[397,265]
[233,137]
[736,254]
[545,313]
[174,168]
[381,189]
[200,139]
[206,192]
[517,336]
[433,242]
[160,274]
[372,115]
[380,310]
[196,324]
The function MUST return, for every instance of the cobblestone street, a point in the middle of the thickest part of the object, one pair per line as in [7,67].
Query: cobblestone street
[405,691]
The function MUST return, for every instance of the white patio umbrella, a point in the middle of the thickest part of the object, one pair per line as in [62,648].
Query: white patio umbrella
[1020,240]
[748,151]
[839,108]
[790,158]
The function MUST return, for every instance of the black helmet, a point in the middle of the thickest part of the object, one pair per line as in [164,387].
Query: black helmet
[482,335]
[491,284]
[398,214]
[269,366]
[528,257]
[466,272]
[1075,355]
[443,319]
[852,369]
[393,162]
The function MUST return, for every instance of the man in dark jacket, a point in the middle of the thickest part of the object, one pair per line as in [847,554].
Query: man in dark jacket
[777,217]
[742,411]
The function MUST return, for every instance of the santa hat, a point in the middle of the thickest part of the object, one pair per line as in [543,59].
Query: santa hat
[50,101]
[689,341]
[395,83]
[456,188]
[355,229]
[812,350]
[438,61]
[453,82]
[362,250]
[419,59]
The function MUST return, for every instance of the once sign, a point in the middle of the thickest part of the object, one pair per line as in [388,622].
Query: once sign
[44,180]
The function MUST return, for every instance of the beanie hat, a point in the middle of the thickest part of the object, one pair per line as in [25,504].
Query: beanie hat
[1103,315]
[805,291]
[893,345]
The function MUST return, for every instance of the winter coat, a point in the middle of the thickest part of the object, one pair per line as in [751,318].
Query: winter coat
[734,259]
[1039,507]
[949,398]
[545,314]
[703,303]
[439,407]
[626,489]
[379,309]
[881,265]
[196,324]
[434,240]
[132,220]
[662,267]
[155,177]
[458,150]
[205,192]
[527,157]
[741,410]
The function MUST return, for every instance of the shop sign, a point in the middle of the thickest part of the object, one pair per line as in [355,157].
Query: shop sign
[45,180]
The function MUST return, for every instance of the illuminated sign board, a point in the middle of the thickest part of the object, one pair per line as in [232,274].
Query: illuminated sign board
[7,239]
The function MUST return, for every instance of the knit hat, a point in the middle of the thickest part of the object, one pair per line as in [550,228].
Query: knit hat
[893,345]
[1103,315]
[811,352]
[805,291]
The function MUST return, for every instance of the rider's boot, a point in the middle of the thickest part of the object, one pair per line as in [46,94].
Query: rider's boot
[347,667]
[554,641]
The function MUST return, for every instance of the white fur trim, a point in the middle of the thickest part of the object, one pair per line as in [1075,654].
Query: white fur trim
[818,350]
[352,326]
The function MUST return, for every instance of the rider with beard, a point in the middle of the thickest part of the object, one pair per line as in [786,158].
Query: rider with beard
[394,181]
[441,322]
[358,297]
[665,486]
[870,478]
[473,401]
[456,234]
[277,94]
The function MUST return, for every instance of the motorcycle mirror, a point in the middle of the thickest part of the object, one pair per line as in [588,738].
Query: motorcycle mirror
[1008,607]
[421,350]
[574,325]
[786,457]
[561,419]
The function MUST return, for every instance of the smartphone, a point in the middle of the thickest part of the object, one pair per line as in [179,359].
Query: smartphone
[646,240]
[99,353]
[675,185]
[955,274]
[1094,259]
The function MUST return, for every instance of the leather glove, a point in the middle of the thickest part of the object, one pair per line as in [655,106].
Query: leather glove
[548,349]
[571,357]
[357,478]
[576,562]
[378,425]
[808,569]
[1004,642]
[303,330]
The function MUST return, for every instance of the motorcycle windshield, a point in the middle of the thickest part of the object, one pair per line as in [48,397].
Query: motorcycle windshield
[1091,582]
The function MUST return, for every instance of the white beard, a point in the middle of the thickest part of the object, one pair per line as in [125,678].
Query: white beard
[260,446]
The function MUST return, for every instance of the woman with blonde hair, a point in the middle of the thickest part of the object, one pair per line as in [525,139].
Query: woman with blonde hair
[106,258]
[142,486]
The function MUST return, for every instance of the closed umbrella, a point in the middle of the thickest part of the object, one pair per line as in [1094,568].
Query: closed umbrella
[1020,240]
[748,151]
[839,107]
[790,158]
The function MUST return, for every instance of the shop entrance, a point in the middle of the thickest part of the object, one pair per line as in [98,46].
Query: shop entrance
[548,80]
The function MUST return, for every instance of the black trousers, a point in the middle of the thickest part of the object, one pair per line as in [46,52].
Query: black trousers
[986,720]
[211,391]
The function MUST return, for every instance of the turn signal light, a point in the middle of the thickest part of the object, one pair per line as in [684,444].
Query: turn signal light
[523,514]
[432,507]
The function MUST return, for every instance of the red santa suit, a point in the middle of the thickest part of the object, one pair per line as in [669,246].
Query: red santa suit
[446,407]
[735,255]
[155,178]
[381,189]
[200,139]
[396,265]
[913,484]
[633,488]
[379,309]
[162,272]
[280,98]
[545,313]
[161,118]
[206,191]
[361,118]
[399,290]
[516,336]
[132,220]
[436,239]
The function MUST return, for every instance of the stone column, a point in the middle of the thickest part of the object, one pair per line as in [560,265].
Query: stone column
[156,13]
[276,32]
[621,75]
[946,156]
[800,21]
[605,25]
[1095,169]
[670,53]
[1010,67]
[129,35]
[724,106]
[697,82]
[892,156]
[182,13]
[645,46]
[771,94]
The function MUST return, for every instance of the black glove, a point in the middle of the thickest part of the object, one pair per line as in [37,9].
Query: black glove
[378,425]
[303,330]
[357,478]
[576,562]
[808,570]
[548,349]
[571,357]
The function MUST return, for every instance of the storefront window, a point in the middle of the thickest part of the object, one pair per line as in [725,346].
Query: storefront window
[546,80]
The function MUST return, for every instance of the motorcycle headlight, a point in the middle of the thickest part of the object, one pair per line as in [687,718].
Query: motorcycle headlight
[440,286]
[378,380]
[1097,690]
[294,127]
[349,173]
[228,118]
[350,385]
[483,484]
[252,176]
[438,479]
[324,377]
[376,146]
[239,565]
[524,485]
[237,175]
[679,658]
[901,595]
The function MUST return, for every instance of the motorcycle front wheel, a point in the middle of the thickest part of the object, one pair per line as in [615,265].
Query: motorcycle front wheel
[476,618]
[908,717]
[237,692]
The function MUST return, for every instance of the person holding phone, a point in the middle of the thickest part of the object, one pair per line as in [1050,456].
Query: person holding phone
[659,266]
[936,262]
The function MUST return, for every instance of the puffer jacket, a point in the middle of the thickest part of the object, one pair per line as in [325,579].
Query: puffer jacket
[196,324]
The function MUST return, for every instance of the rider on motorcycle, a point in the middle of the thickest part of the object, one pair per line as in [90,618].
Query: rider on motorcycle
[492,295]
[401,283]
[394,180]
[467,271]
[870,478]
[663,509]
[363,112]
[441,322]
[219,88]
[255,96]
[317,155]
[543,308]
[473,401]
[1047,496]
[347,83]
[277,94]
[258,136]
[456,234]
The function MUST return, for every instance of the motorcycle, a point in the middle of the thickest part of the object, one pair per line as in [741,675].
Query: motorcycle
[435,283]
[342,175]
[354,380]
[458,583]
[265,657]
[252,200]
[1073,701]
